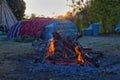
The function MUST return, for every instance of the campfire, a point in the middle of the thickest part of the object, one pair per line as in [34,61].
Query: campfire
[66,50]
[59,51]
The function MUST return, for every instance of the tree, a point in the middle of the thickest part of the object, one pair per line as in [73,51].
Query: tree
[105,11]
[67,16]
[18,7]
[1,2]
[80,13]
[33,15]
[26,16]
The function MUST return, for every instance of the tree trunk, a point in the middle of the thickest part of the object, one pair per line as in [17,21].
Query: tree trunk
[104,25]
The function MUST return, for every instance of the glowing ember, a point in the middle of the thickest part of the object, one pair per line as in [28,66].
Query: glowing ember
[79,55]
[65,55]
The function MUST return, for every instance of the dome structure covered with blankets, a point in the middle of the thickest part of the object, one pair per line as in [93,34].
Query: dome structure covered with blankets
[34,27]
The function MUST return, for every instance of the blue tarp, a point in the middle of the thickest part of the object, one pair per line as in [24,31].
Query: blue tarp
[117,29]
[64,27]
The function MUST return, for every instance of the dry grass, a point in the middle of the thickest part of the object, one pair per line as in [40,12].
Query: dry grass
[110,45]
[10,48]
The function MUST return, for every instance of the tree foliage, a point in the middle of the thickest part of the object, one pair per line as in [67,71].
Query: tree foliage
[18,7]
[79,12]
[67,16]
[33,15]
[105,11]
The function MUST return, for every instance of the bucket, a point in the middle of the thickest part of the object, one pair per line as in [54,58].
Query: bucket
[1,32]
[87,32]
[95,28]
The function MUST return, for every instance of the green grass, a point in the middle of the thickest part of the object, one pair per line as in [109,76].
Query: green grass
[3,33]
[25,40]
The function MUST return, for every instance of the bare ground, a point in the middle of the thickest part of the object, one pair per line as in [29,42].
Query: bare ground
[14,56]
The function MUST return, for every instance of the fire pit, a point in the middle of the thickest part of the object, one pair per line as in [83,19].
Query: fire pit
[60,48]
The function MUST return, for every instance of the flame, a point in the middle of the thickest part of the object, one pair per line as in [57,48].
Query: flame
[79,54]
[51,49]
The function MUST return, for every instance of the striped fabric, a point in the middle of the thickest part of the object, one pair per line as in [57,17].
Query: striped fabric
[3,28]
[28,28]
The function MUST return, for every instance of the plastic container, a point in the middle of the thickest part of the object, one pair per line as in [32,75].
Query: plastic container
[88,32]
[1,32]
[95,28]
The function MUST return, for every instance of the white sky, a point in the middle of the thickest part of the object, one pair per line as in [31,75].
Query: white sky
[46,7]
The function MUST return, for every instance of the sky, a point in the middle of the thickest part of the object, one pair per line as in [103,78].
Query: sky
[47,8]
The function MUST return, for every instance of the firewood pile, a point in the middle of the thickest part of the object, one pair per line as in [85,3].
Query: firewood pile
[64,50]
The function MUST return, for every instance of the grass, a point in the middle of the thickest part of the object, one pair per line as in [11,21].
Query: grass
[3,33]
[25,39]
[110,45]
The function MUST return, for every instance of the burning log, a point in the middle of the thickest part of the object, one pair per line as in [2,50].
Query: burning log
[67,50]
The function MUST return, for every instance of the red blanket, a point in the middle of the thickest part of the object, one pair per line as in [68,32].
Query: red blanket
[33,26]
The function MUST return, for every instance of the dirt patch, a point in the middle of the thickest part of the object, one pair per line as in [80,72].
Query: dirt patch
[15,58]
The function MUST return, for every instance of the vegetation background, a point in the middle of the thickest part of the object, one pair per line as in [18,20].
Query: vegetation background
[85,12]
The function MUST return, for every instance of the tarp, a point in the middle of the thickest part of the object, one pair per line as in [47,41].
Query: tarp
[64,27]
[117,29]
[7,17]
